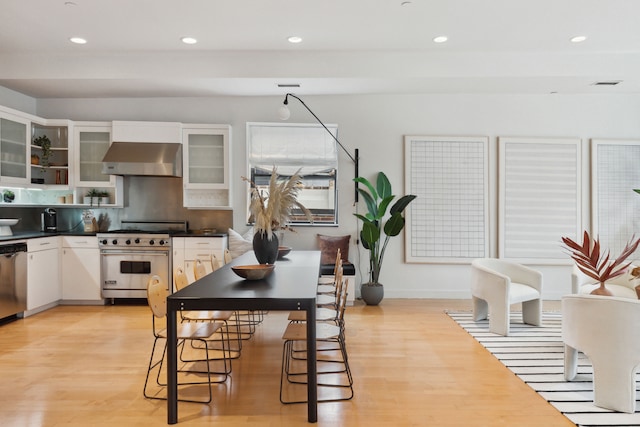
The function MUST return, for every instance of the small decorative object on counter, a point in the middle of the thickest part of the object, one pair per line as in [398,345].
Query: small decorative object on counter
[89,220]
[8,196]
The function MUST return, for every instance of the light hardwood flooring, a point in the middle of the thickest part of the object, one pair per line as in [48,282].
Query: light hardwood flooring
[412,366]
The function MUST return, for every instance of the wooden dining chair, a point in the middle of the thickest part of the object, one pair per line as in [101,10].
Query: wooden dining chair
[231,327]
[294,357]
[199,269]
[215,263]
[157,293]
[227,256]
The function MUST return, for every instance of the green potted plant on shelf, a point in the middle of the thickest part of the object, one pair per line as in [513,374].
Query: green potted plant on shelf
[92,196]
[378,228]
[8,196]
[103,197]
[45,145]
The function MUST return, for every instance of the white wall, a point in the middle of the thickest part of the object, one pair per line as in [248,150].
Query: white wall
[376,125]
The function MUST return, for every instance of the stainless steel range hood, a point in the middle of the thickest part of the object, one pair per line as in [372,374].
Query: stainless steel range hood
[143,158]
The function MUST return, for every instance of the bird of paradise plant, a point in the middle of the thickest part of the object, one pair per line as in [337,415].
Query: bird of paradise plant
[598,266]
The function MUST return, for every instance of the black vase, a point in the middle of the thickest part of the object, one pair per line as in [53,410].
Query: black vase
[266,250]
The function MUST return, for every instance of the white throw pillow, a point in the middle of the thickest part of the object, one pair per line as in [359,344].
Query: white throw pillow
[238,244]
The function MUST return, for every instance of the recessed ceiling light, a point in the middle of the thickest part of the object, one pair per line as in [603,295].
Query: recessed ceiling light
[578,39]
[440,39]
[78,40]
[294,39]
[189,40]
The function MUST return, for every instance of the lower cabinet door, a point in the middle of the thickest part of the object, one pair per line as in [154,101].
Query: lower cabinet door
[81,274]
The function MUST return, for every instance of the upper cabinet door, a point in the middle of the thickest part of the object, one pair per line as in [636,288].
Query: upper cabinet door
[206,165]
[14,149]
[91,143]
[49,147]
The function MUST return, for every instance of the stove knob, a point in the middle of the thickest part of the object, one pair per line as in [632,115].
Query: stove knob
[137,241]
[161,242]
[128,242]
[115,242]
[104,241]
[152,242]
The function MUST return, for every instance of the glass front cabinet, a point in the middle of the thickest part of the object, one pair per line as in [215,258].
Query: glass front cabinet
[206,166]
[91,142]
[14,134]
[49,148]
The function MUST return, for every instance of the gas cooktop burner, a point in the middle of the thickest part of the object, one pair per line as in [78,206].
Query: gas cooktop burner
[151,227]
[154,235]
[140,231]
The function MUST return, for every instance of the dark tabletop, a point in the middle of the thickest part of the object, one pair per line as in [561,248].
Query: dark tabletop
[294,279]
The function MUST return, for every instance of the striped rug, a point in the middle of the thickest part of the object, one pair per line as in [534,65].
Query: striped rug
[535,355]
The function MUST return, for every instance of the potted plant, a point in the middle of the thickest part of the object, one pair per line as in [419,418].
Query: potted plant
[45,144]
[271,211]
[92,196]
[598,266]
[8,196]
[103,197]
[377,229]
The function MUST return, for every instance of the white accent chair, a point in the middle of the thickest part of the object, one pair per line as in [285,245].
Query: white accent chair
[621,286]
[606,329]
[496,284]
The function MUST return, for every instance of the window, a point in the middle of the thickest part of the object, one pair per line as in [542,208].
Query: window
[290,147]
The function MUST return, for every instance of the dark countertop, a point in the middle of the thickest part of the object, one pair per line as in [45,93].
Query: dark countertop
[24,235]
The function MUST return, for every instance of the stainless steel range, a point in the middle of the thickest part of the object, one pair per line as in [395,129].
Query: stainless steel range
[128,257]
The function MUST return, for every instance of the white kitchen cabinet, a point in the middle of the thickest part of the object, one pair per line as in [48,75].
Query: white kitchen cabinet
[51,167]
[91,140]
[186,250]
[14,148]
[206,160]
[43,274]
[80,262]
[134,131]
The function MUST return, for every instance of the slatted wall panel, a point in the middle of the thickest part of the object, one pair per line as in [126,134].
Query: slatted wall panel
[539,198]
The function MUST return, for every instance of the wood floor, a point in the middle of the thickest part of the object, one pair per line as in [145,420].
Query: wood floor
[412,366]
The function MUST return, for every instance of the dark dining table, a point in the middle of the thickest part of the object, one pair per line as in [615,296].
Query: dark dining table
[291,286]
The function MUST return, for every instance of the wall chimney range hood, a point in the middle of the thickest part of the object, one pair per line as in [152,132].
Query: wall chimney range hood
[143,158]
[144,148]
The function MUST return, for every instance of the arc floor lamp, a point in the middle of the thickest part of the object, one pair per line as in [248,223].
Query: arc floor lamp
[284,113]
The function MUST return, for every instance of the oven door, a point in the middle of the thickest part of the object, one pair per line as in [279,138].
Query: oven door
[125,273]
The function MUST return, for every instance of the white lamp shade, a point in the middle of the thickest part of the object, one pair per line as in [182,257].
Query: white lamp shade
[283,112]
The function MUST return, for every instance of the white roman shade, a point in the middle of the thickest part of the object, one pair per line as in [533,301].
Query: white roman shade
[291,146]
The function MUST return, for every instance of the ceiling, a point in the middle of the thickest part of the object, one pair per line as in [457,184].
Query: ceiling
[348,47]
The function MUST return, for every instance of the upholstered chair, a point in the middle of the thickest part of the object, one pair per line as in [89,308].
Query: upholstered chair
[496,284]
[607,330]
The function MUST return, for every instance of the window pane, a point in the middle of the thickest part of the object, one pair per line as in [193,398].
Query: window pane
[292,147]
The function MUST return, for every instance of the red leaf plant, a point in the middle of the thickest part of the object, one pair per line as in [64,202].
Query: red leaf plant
[589,260]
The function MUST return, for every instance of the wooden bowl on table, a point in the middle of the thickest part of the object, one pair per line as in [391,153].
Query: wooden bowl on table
[283,251]
[253,272]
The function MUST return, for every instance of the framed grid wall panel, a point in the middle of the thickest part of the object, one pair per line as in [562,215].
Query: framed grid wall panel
[448,221]
[540,197]
[615,206]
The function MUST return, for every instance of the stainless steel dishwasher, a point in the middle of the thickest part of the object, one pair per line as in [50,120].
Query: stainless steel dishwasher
[13,279]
